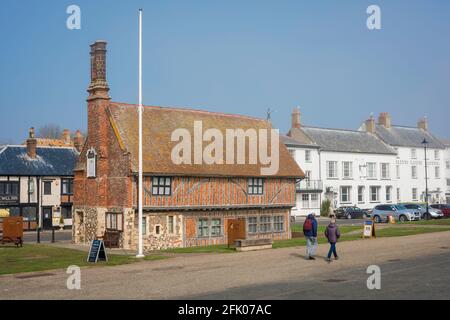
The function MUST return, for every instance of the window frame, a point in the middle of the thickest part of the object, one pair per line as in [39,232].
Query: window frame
[161,185]
[255,184]
[64,181]
[349,169]
[333,170]
[348,194]
[114,217]
[44,190]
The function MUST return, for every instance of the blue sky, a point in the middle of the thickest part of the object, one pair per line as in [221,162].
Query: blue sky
[236,56]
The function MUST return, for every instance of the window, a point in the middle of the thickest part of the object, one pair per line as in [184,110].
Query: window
[332,172]
[29,214]
[347,170]
[161,186]
[170,224]
[385,168]
[91,157]
[314,200]
[447,164]
[9,188]
[305,201]
[414,194]
[374,194]
[47,187]
[252,225]
[203,228]
[157,229]
[216,227]
[413,154]
[414,172]
[308,175]
[308,155]
[361,194]
[264,224]
[144,225]
[437,172]
[345,194]
[388,193]
[66,212]
[67,186]
[398,171]
[255,186]
[278,223]
[114,221]
[436,155]
[371,170]
[398,195]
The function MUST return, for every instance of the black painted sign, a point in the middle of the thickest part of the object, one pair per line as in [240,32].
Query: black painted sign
[97,252]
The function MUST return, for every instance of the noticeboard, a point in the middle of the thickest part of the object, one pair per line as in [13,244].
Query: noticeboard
[369,229]
[97,252]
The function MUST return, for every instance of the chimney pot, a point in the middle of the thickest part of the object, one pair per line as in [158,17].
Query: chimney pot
[296,118]
[384,119]
[78,141]
[31,144]
[66,136]
[99,86]
[423,124]
[370,124]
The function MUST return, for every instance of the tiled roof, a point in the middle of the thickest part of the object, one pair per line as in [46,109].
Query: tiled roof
[160,122]
[291,142]
[48,162]
[339,140]
[399,136]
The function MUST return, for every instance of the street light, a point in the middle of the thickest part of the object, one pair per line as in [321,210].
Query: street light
[425,143]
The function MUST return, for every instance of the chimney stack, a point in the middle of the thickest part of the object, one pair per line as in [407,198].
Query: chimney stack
[423,124]
[98,87]
[296,118]
[31,144]
[384,119]
[370,124]
[66,136]
[78,141]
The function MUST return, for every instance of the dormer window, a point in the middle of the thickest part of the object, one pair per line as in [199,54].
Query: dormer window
[91,163]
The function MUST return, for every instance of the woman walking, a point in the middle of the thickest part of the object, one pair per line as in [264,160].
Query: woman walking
[332,233]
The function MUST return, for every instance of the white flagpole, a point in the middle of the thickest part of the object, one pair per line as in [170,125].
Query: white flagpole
[140,244]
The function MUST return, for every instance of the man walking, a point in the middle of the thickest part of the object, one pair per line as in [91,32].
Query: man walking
[310,232]
[333,234]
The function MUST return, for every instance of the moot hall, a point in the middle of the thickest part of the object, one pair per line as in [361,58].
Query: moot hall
[184,204]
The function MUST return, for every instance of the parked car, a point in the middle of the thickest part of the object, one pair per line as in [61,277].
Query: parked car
[432,212]
[350,213]
[381,212]
[445,209]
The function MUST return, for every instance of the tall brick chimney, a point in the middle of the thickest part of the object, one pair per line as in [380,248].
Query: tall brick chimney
[296,118]
[31,144]
[66,136]
[370,124]
[384,119]
[78,141]
[423,124]
[98,87]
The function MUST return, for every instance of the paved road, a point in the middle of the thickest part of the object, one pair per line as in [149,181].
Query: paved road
[46,236]
[413,267]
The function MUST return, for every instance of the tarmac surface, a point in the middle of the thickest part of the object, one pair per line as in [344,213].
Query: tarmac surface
[412,267]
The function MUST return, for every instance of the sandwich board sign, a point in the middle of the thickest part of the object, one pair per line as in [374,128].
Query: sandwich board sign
[97,252]
[369,229]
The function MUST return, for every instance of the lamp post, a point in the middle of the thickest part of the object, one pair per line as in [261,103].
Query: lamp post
[425,143]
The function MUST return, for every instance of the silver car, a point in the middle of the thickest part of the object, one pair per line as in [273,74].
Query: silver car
[432,212]
[381,212]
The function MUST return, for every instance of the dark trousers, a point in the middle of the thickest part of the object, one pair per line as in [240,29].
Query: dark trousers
[332,250]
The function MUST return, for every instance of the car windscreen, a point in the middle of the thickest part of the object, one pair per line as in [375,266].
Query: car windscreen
[400,207]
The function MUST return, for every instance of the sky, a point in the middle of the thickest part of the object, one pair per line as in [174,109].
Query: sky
[234,56]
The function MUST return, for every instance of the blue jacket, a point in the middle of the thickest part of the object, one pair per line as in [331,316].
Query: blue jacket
[313,232]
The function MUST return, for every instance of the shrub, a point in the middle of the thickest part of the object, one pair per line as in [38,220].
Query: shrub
[325,208]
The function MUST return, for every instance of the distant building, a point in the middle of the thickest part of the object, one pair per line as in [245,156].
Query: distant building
[447,168]
[409,168]
[36,182]
[184,205]
[347,167]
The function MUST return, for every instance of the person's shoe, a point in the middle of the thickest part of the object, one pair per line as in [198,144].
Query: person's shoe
[328,260]
[311,258]
[336,258]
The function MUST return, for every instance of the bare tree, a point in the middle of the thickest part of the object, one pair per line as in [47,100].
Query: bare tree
[50,131]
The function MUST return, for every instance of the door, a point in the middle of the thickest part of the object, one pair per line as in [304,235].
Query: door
[47,222]
[236,230]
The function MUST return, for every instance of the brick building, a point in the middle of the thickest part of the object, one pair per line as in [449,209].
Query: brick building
[184,205]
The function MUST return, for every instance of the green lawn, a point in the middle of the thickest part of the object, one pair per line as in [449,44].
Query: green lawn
[207,249]
[32,257]
[434,222]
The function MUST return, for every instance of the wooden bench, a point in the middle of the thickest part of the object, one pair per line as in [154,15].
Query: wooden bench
[111,238]
[253,244]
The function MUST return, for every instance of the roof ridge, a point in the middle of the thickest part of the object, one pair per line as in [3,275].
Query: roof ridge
[231,115]
[336,129]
